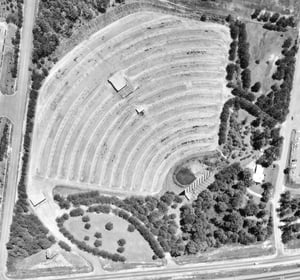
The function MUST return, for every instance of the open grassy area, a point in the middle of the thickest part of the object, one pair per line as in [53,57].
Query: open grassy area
[265,49]
[184,176]
[231,252]
[136,248]
[59,262]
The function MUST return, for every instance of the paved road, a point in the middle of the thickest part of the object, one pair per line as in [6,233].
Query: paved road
[15,107]
[198,269]
[286,131]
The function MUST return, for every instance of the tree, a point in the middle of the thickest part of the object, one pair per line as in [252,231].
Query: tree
[120,250]
[98,235]
[109,226]
[76,212]
[121,242]
[87,226]
[85,219]
[251,208]
[131,228]
[231,69]
[256,13]
[246,78]
[274,17]
[234,31]
[233,221]
[192,247]
[98,243]
[64,246]
[256,87]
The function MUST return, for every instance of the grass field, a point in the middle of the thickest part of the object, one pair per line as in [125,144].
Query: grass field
[136,248]
[265,49]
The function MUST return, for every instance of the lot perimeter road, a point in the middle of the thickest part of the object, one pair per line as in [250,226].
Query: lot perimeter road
[16,106]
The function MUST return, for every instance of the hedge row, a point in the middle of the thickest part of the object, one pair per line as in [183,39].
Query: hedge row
[148,236]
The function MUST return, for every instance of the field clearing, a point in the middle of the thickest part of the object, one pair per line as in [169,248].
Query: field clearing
[231,253]
[87,133]
[61,263]
[265,48]
[136,248]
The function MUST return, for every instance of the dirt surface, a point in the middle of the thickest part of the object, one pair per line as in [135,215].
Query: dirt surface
[88,134]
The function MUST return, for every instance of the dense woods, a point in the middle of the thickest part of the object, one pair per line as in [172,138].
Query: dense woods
[223,214]
[57,19]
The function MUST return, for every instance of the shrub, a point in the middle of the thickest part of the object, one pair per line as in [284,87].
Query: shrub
[256,87]
[121,242]
[178,199]
[109,226]
[87,226]
[131,228]
[274,17]
[234,31]
[120,249]
[65,216]
[85,219]
[232,50]
[174,206]
[230,69]
[98,235]
[76,212]
[98,243]
[255,13]
[86,238]
[246,78]
[64,246]
[172,216]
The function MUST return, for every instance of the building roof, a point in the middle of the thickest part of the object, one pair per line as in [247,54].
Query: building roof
[118,81]
[37,198]
[257,171]
[258,175]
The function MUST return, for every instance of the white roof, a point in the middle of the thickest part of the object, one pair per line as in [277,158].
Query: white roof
[139,108]
[251,165]
[258,175]
[37,198]
[118,81]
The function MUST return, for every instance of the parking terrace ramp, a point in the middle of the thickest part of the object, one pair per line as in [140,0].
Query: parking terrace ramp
[170,76]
